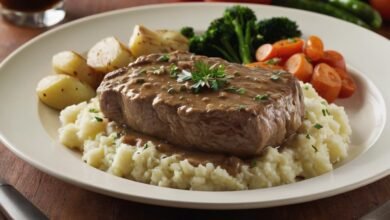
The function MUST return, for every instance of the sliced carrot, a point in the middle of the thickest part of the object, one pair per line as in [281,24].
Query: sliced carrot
[300,67]
[348,85]
[314,48]
[265,65]
[342,72]
[265,52]
[288,47]
[326,81]
[334,59]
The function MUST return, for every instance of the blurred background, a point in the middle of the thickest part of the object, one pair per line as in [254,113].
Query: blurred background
[372,14]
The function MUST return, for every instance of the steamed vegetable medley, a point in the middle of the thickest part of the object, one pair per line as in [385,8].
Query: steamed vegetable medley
[274,44]
[237,36]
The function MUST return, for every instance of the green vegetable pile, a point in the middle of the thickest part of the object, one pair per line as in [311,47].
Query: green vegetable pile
[354,11]
[237,34]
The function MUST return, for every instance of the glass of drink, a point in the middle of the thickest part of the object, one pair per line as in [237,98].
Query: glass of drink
[33,13]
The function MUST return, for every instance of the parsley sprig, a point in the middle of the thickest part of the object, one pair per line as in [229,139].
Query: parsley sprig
[273,61]
[233,89]
[163,58]
[205,76]
[262,97]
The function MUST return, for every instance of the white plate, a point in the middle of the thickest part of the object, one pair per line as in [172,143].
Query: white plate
[29,129]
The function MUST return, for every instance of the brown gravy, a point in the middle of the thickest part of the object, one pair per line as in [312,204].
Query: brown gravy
[231,164]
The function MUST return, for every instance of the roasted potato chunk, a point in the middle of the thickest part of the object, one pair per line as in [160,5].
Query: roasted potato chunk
[60,91]
[108,54]
[73,64]
[174,40]
[145,41]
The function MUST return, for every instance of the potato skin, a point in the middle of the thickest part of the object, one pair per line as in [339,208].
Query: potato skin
[144,41]
[73,64]
[109,54]
[174,40]
[60,91]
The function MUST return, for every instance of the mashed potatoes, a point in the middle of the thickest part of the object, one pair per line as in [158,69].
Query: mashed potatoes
[321,142]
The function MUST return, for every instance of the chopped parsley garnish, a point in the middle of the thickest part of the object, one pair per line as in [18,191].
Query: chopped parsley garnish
[184,76]
[205,76]
[323,102]
[276,75]
[241,107]
[292,40]
[163,58]
[142,70]
[173,71]
[314,147]
[93,110]
[263,97]
[233,89]
[253,163]
[273,61]
[323,112]
[307,136]
[98,119]
[306,87]
[318,126]
[158,71]
[146,145]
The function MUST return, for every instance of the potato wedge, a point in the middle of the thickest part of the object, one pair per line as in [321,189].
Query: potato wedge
[144,41]
[174,40]
[59,91]
[73,64]
[108,54]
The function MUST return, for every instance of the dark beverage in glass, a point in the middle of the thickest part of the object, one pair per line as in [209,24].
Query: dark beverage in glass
[33,13]
[28,5]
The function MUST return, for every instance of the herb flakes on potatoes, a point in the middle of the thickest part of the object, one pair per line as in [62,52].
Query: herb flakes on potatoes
[108,54]
[145,41]
[73,64]
[60,91]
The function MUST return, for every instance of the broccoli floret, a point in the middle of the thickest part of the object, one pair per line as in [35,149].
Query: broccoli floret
[188,32]
[218,41]
[221,37]
[236,35]
[277,28]
[243,21]
[203,46]
[198,45]
[230,36]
